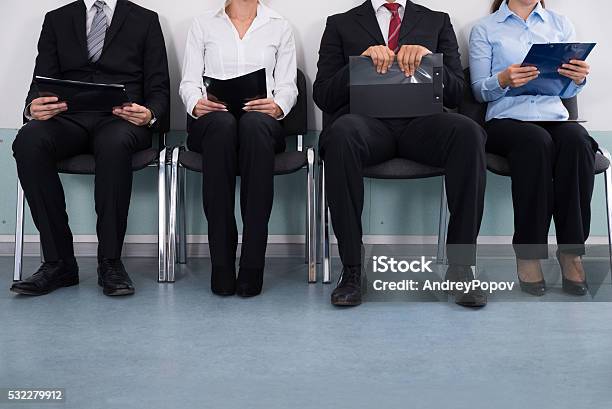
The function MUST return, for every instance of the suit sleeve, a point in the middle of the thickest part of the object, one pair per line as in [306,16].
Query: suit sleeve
[156,76]
[47,62]
[454,81]
[331,87]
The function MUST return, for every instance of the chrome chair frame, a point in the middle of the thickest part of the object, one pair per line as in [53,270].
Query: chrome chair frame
[163,176]
[177,243]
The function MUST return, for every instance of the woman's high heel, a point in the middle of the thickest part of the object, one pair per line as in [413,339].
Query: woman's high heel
[579,288]
[537,288]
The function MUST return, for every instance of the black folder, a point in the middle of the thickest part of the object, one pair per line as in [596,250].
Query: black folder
[83,96]
[393,95]
[235,92]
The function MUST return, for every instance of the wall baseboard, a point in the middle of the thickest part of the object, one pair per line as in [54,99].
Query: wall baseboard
[278,245]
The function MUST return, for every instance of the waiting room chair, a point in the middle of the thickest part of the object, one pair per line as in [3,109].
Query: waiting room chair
[85,165]
[295,124]
[396,168]
[500,166]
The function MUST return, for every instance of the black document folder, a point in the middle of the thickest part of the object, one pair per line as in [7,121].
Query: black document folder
[549,58]
[235,92]
[393,95]
[83,96]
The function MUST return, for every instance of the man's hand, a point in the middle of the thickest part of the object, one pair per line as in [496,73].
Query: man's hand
[576,70]
[266,106]
[409,58]
[134,113]
[382,57]
[205,106]
[44,108]
[516,76]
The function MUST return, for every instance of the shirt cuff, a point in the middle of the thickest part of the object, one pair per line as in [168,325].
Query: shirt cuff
[26,112]
[191,104]
[493,88]
[573,89]
[284,106]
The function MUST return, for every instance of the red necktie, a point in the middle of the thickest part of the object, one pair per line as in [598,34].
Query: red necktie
[394,26]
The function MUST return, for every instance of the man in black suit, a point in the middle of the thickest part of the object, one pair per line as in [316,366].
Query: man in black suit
[111,41]
[388,31]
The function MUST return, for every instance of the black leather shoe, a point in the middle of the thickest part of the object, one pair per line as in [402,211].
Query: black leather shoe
[475,298]
[348,292]
[48,278]
[223,281]
[537,288]
[250,282]
[113,278]
[579,288]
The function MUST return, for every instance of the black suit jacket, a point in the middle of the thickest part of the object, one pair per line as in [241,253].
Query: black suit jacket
[134,53]
[351,33]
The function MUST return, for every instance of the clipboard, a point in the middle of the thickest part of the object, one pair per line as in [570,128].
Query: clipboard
[548,58]
[235,92]
[393,95]
[83,96]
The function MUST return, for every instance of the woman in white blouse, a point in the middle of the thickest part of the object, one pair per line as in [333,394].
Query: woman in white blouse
[236,39]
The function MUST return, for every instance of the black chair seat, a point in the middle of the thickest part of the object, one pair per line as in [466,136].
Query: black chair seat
[284,163]
[86,165]
[500,166]
[401,169]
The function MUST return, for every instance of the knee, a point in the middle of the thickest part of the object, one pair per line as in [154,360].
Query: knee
[469,135]
[220,132]
[257,129]
[342,134]
[578,140]
[539,146]
[31,142]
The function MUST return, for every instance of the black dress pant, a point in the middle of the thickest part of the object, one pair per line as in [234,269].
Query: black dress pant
[231,147]
[450,141]
[38,147]
[552,166]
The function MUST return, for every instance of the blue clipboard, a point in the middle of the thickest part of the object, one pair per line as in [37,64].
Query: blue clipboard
[549,58]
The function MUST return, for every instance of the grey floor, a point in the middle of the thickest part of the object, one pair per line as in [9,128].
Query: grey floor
[178,346]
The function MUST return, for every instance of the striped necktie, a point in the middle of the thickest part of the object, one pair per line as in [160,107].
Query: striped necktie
[95,38]
[394,26]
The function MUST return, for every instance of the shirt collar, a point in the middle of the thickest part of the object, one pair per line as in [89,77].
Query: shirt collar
[377,4]
[110,3]
[262,11]
[504,12]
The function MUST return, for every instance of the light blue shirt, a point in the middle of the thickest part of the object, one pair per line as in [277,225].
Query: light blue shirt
[502,39]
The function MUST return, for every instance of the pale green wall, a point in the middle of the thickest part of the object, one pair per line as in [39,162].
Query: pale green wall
[392,207]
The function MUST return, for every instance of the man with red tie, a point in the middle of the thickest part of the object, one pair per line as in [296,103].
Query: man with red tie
[390,31]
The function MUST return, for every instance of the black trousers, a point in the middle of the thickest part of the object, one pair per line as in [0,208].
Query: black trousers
[232,147]
[451,141]
[38,147]
[552,166]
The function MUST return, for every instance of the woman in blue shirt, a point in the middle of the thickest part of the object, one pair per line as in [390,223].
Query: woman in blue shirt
[552,161]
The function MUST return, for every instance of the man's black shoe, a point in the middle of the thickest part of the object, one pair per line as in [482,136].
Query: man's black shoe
[475,298]
[113,278]
[348,291]
[49,277]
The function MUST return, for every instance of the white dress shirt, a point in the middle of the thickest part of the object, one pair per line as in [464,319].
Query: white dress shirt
[214,49]
[109,10]
[383,15]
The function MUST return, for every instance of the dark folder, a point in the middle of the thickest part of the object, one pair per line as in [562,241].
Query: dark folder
[393,95]
[83,96]
[549,58]
[235,92]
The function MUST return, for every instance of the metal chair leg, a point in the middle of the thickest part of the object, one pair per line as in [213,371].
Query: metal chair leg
[19,234]
[443,226]
[162,235]
[182,228]
[325,232]
[608,189]
[173,214]
[310,219]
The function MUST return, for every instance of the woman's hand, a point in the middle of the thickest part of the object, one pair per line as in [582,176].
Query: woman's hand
[516,76]
[576,70]
[206,106]
[409,58]
[266,106]
[134,113]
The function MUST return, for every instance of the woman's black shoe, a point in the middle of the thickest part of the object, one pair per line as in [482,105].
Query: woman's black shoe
[349,289]
[537,288]
[250,282]
[579,288]
[223,281]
